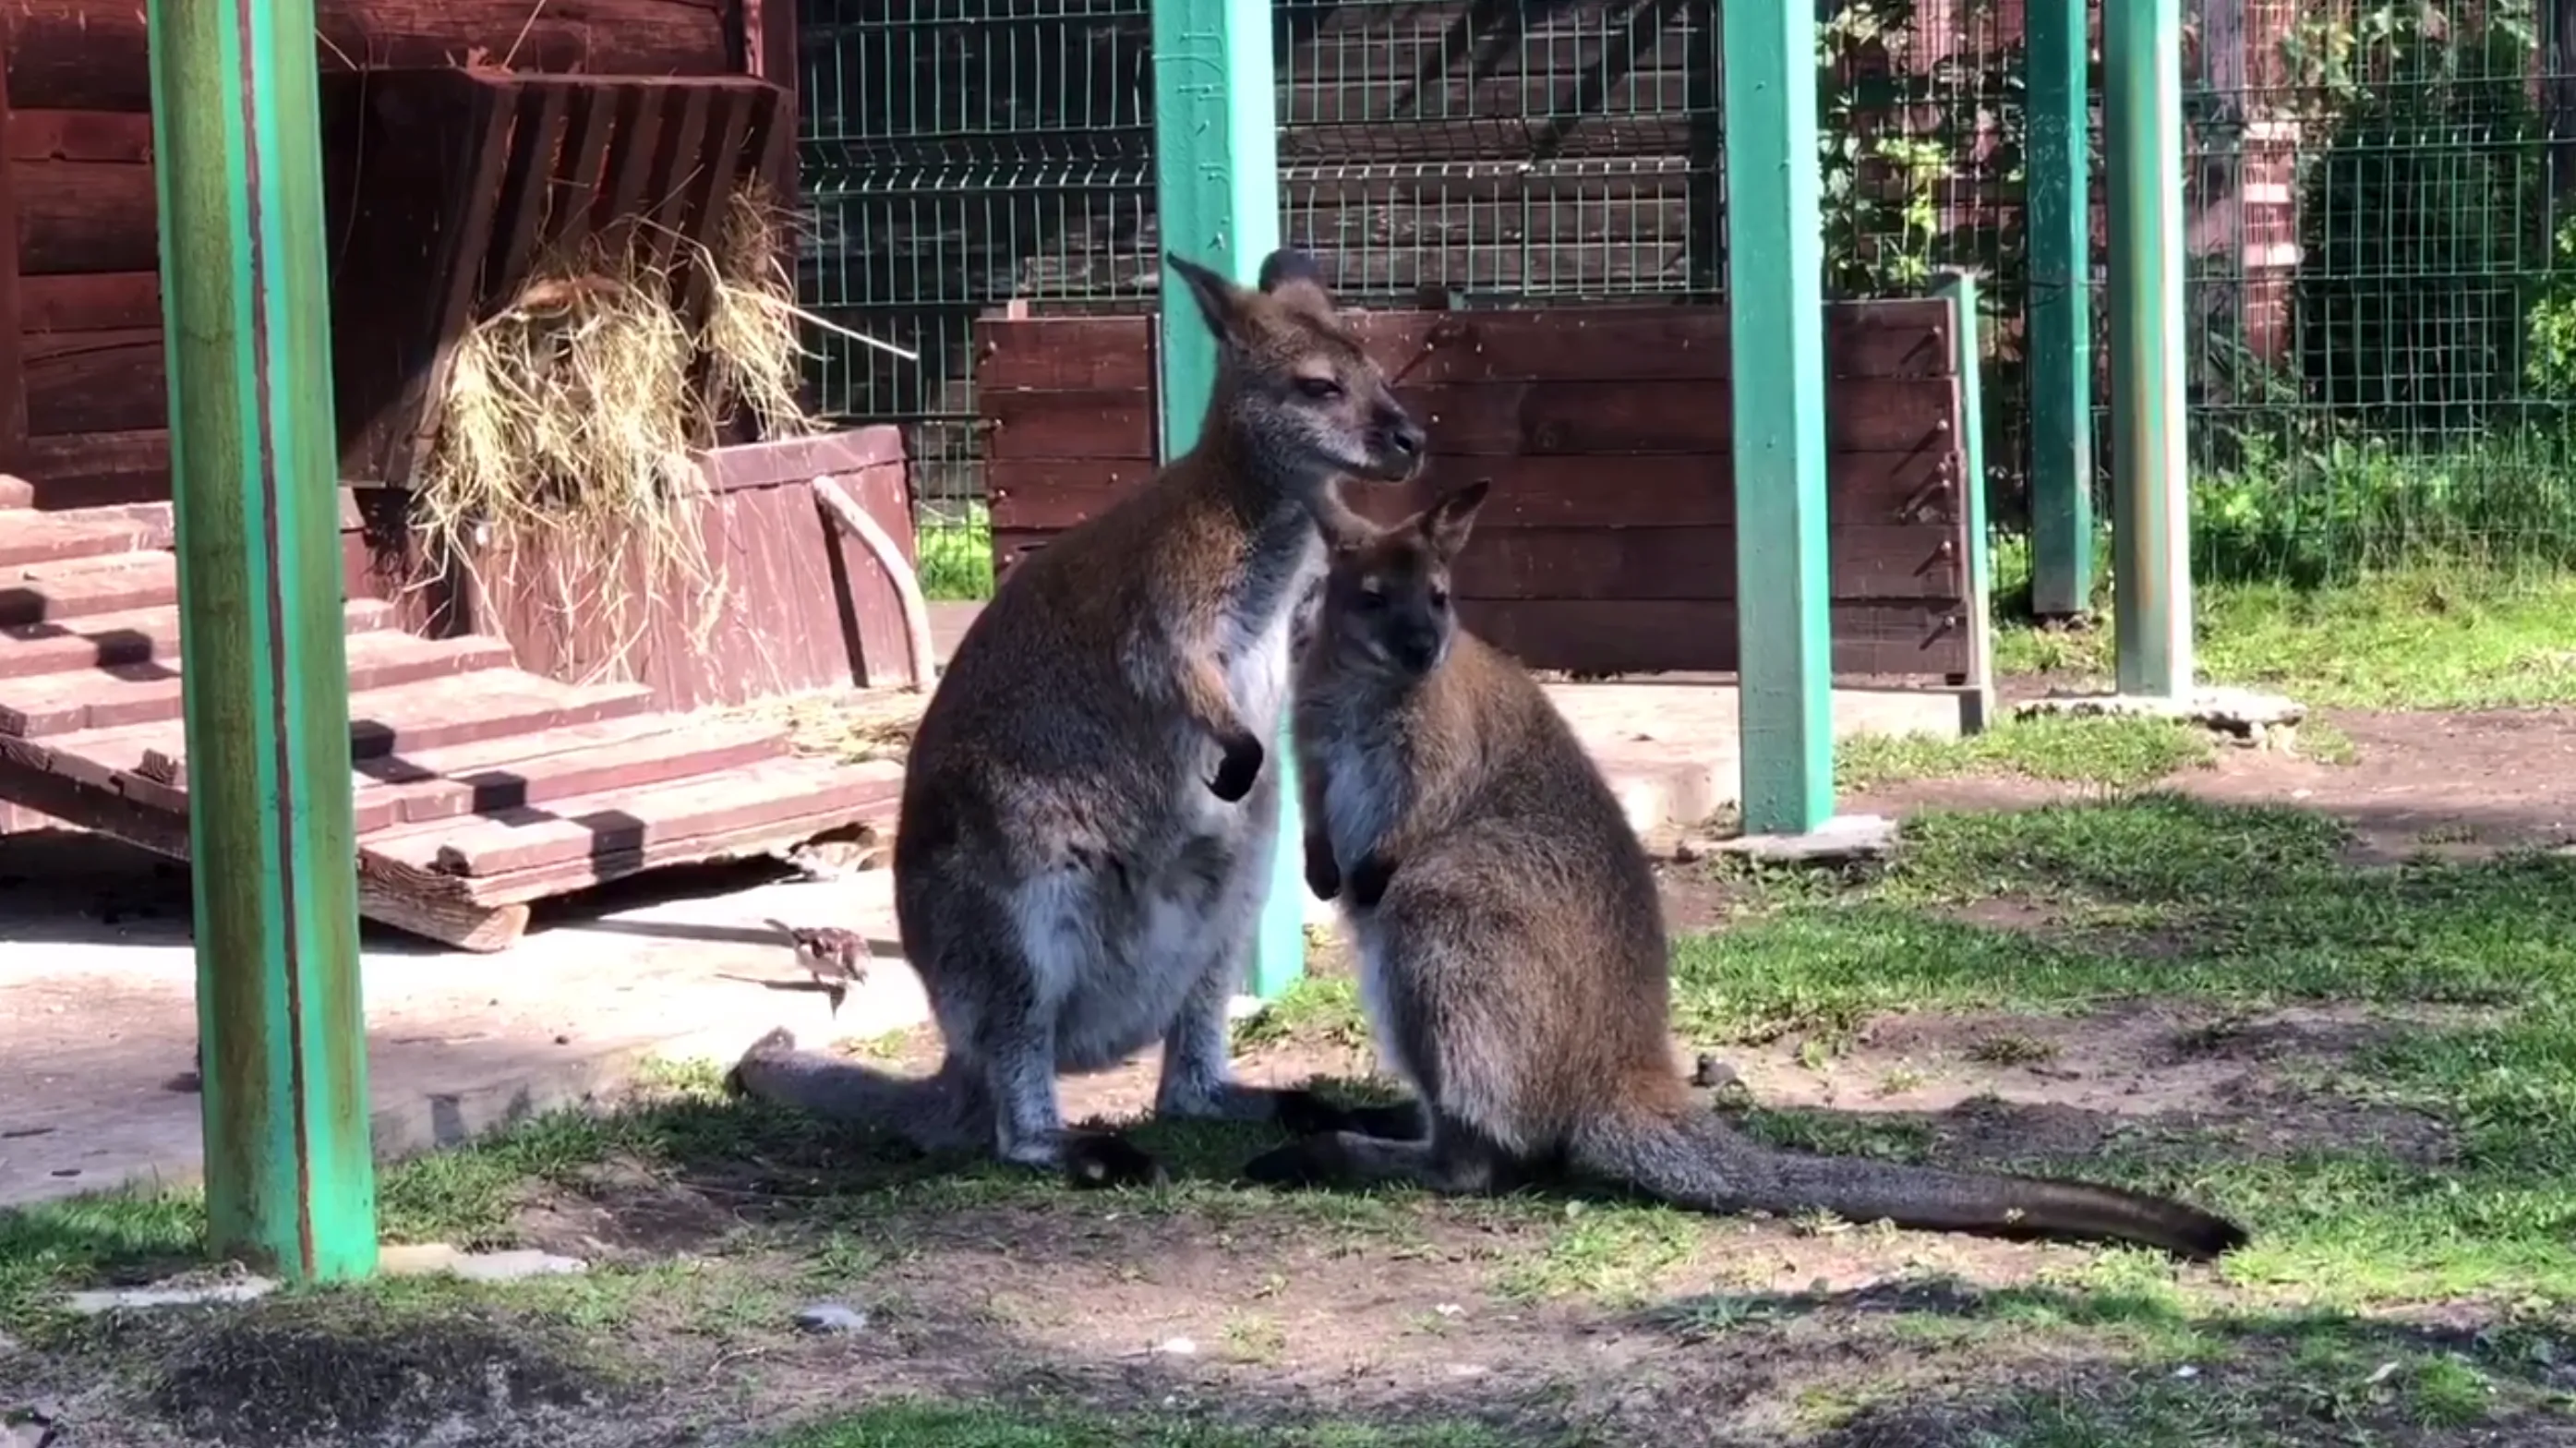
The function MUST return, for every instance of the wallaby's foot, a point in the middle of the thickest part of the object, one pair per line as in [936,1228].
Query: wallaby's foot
[1193,1098]
[1367,881]
[1307,1162]
[1104,1159]
[1446,1165]
[1304,1113]
[779,1042]
[1237,769]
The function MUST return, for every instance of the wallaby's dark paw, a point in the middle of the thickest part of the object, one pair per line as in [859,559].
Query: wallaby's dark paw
[1307,1162]
[1238,768]
[1093,1162]
[1303,1113]
[1322,876]
[1366,883]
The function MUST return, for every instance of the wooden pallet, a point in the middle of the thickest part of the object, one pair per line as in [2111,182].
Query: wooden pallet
[479,787]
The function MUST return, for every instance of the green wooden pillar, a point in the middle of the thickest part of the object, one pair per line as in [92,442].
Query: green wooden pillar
[2059,311]
[2150,541]
[1775,295]
[290,1177]
[1216,193]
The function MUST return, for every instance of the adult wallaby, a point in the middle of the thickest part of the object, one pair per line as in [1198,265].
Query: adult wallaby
[1087,827]
[1512,951]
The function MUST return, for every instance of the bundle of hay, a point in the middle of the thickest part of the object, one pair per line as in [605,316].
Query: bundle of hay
[562,468]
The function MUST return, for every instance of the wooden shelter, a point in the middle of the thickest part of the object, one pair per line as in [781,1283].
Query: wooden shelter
[459,139]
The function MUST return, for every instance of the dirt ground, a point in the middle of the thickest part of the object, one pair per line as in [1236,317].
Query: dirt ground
[1529,1322]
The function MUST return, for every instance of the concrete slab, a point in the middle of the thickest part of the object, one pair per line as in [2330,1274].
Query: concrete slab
[97,978]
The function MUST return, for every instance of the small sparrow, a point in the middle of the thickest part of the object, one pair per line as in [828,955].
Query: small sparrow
[837,958]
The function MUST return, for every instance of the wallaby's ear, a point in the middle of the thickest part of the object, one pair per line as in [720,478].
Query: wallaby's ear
[1293,277]
[1446,523]
[1220,301]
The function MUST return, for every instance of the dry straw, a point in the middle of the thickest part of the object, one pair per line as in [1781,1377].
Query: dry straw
[563,470]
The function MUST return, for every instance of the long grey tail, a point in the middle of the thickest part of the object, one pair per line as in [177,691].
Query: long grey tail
[941,1112]
[1693,1159]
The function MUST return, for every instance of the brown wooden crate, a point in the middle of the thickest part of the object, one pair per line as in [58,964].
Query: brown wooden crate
[1070,424]
[1660,342]
[80,470]
[1044,495]
[1628,636]
[149,692]
[87,382]
[1878,561]
[106,639]
[617,820]
[393,879]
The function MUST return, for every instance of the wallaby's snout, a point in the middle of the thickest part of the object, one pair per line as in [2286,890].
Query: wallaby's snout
[1396,443]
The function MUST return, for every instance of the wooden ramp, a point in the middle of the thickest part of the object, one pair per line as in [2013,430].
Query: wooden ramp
[479,788]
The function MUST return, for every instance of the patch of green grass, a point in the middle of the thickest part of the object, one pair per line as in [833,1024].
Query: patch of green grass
[2240,908]
[954,553]
[2421,639]
[1320,1009]
[1615,1254]
[917,1424]
[2114,752]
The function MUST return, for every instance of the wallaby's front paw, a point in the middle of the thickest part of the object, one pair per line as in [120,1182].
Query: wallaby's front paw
[1322,876]
[1092,1162]
[1366,883]
[1237,769]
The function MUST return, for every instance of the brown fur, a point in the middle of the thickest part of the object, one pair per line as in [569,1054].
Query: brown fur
[1089,809]
[1512,944]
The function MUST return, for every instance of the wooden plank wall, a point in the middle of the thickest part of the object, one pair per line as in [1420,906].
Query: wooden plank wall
[82,394]
[1608,545]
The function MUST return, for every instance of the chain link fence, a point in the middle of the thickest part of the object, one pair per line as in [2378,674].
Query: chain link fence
[2381,306]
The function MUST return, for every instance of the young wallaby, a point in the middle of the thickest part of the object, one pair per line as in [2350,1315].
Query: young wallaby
[1088,826]
[1512,948]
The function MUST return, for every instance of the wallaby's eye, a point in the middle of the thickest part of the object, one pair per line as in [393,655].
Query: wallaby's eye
[1372,598]
[1322,389]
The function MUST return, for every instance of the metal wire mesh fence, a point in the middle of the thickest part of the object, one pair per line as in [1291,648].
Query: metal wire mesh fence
[2381,236]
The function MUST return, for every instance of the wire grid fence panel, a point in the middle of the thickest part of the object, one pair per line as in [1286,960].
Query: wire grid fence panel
[2381,310]
[1475,153]
[959,154]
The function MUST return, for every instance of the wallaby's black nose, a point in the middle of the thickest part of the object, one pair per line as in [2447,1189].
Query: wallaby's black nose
[1406,437]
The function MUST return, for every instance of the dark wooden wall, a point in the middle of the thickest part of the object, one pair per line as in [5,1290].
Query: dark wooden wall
[1608,544]
[82,395]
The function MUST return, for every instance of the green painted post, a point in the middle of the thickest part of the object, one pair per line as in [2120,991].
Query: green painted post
[2059,312]
[1775,294]
[290,1176]
[1216,192]
[1967,355]
[2150,540]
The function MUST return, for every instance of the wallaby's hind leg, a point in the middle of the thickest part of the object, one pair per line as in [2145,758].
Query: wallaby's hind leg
[1198,1064]
[1450,1160]
[1307,1114]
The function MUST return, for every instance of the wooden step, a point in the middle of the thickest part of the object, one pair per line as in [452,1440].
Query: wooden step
[147,761]
[32,537]
[630,823]
[52,592]
[150,692]
[537,769]
[147,635]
